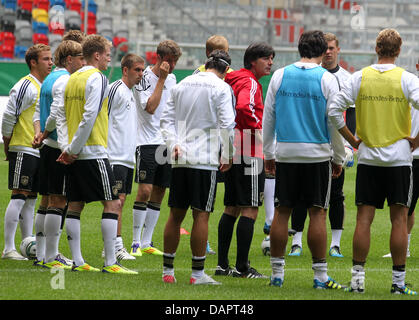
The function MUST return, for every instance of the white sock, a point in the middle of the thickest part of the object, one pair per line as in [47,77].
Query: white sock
[336,235]
[278,267]
[139,213]
[26,217]
[297,239]
[198,273]
[72,225]
[52,233]
[150,223]
[11,220]
[399,278]
[119,244]
[320,271]
[269,195]
[109,228]
[40,234]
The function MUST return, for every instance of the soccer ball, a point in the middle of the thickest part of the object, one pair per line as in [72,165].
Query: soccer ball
[266,246]
[28,247]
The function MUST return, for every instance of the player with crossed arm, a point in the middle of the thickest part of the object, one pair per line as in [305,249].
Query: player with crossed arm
[153,170]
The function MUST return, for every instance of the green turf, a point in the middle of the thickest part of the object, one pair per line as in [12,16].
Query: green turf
[20,280]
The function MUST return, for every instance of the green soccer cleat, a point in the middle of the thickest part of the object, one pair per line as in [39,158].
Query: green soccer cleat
[136,250]
[117,268]
[296,251]
[395,289]
[84,268]
[329,284]
[56,264]
[335,252]
[151,250]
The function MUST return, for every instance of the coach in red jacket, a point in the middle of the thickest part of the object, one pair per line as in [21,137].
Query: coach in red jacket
[244,182]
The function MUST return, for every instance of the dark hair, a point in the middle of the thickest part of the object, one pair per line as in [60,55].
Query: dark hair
[218,60]
[255,51]
[312,44]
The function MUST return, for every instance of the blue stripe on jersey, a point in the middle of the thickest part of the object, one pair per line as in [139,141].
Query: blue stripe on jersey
[112,93]
[46,99]
[301,107]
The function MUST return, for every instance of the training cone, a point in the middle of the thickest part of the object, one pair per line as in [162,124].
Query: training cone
[183,231]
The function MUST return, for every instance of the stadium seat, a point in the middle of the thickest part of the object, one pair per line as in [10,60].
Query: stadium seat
[91,29]
[23,33]
[7,21]
[91,7]
[7,38]
[54,41]
[57,3]
[105,30]
[7,51]
[20,52]
[91,18]
[73,5]
[41,4]
[72,20]
[40,15]
[118,40]
[10,4]
[151,57]
[25,5]
[40,38]
[23,14]
[56,28]
[39,27]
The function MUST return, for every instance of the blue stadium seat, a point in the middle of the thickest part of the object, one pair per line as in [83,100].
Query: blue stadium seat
[57,3]
[92,6]
[20,52]
[9,4]
[39,27]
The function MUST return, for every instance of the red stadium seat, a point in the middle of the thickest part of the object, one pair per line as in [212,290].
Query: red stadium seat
[7,51]
[118,40]
[41,4]
[74,5]
[25,4]
[40,38]
[7,38]
[91,29]
[151,57]
[91,18]
[56,28]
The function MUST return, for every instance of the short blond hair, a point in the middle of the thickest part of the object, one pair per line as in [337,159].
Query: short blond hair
[216,42]
[331,37]
[95,43]
[75,35]
[388,43]
[65,49]
[33,53]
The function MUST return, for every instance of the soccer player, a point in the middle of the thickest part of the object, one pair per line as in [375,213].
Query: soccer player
[214,42]
[415,171]
[198,114]
[68,58]
[122,135]
[18,133]
[336,204]
[245,181]
[90,177]
[381,93]
[153,169]
[296,117]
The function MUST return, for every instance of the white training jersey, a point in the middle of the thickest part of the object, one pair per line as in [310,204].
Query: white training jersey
[198,115]
[122,133]
[300,152]
[149,124]
[415,129]
[396,154]
[22,96]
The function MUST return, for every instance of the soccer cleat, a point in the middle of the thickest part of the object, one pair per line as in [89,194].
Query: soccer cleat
[64,260]
[395,289]
[277,282]
[13,255]
[204,279]
[152,250]
[84,268]
[296,251]
[291,232]
[56,263]
[136,250]
[223,272]
[250,273]
[117,268]
[329,284]
[335,252]
[38,263]
[209,249]
[168,278]
[122,254]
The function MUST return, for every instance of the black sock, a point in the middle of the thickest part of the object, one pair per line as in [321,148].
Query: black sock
[244,235]
[225,233]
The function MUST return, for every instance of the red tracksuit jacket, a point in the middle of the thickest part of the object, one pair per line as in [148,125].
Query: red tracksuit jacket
[249,112]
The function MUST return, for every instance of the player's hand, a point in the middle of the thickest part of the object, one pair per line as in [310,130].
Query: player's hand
[66,158]
[37,140]
[6,142]
[270,167]
[413,143]
[164,69]
[355,144]
[225,166]
[177,153]
[336,170]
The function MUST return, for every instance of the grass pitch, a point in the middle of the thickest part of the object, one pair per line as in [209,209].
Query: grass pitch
[22,281]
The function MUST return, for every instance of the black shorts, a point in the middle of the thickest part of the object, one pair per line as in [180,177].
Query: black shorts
[245,183]
[193,188]
[123,177]
[376,184]
[91,180]
[415,195]
[305,184]
[23,172]
[153,166]
[53,173]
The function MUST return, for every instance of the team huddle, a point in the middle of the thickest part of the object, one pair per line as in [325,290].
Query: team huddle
[74,138]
